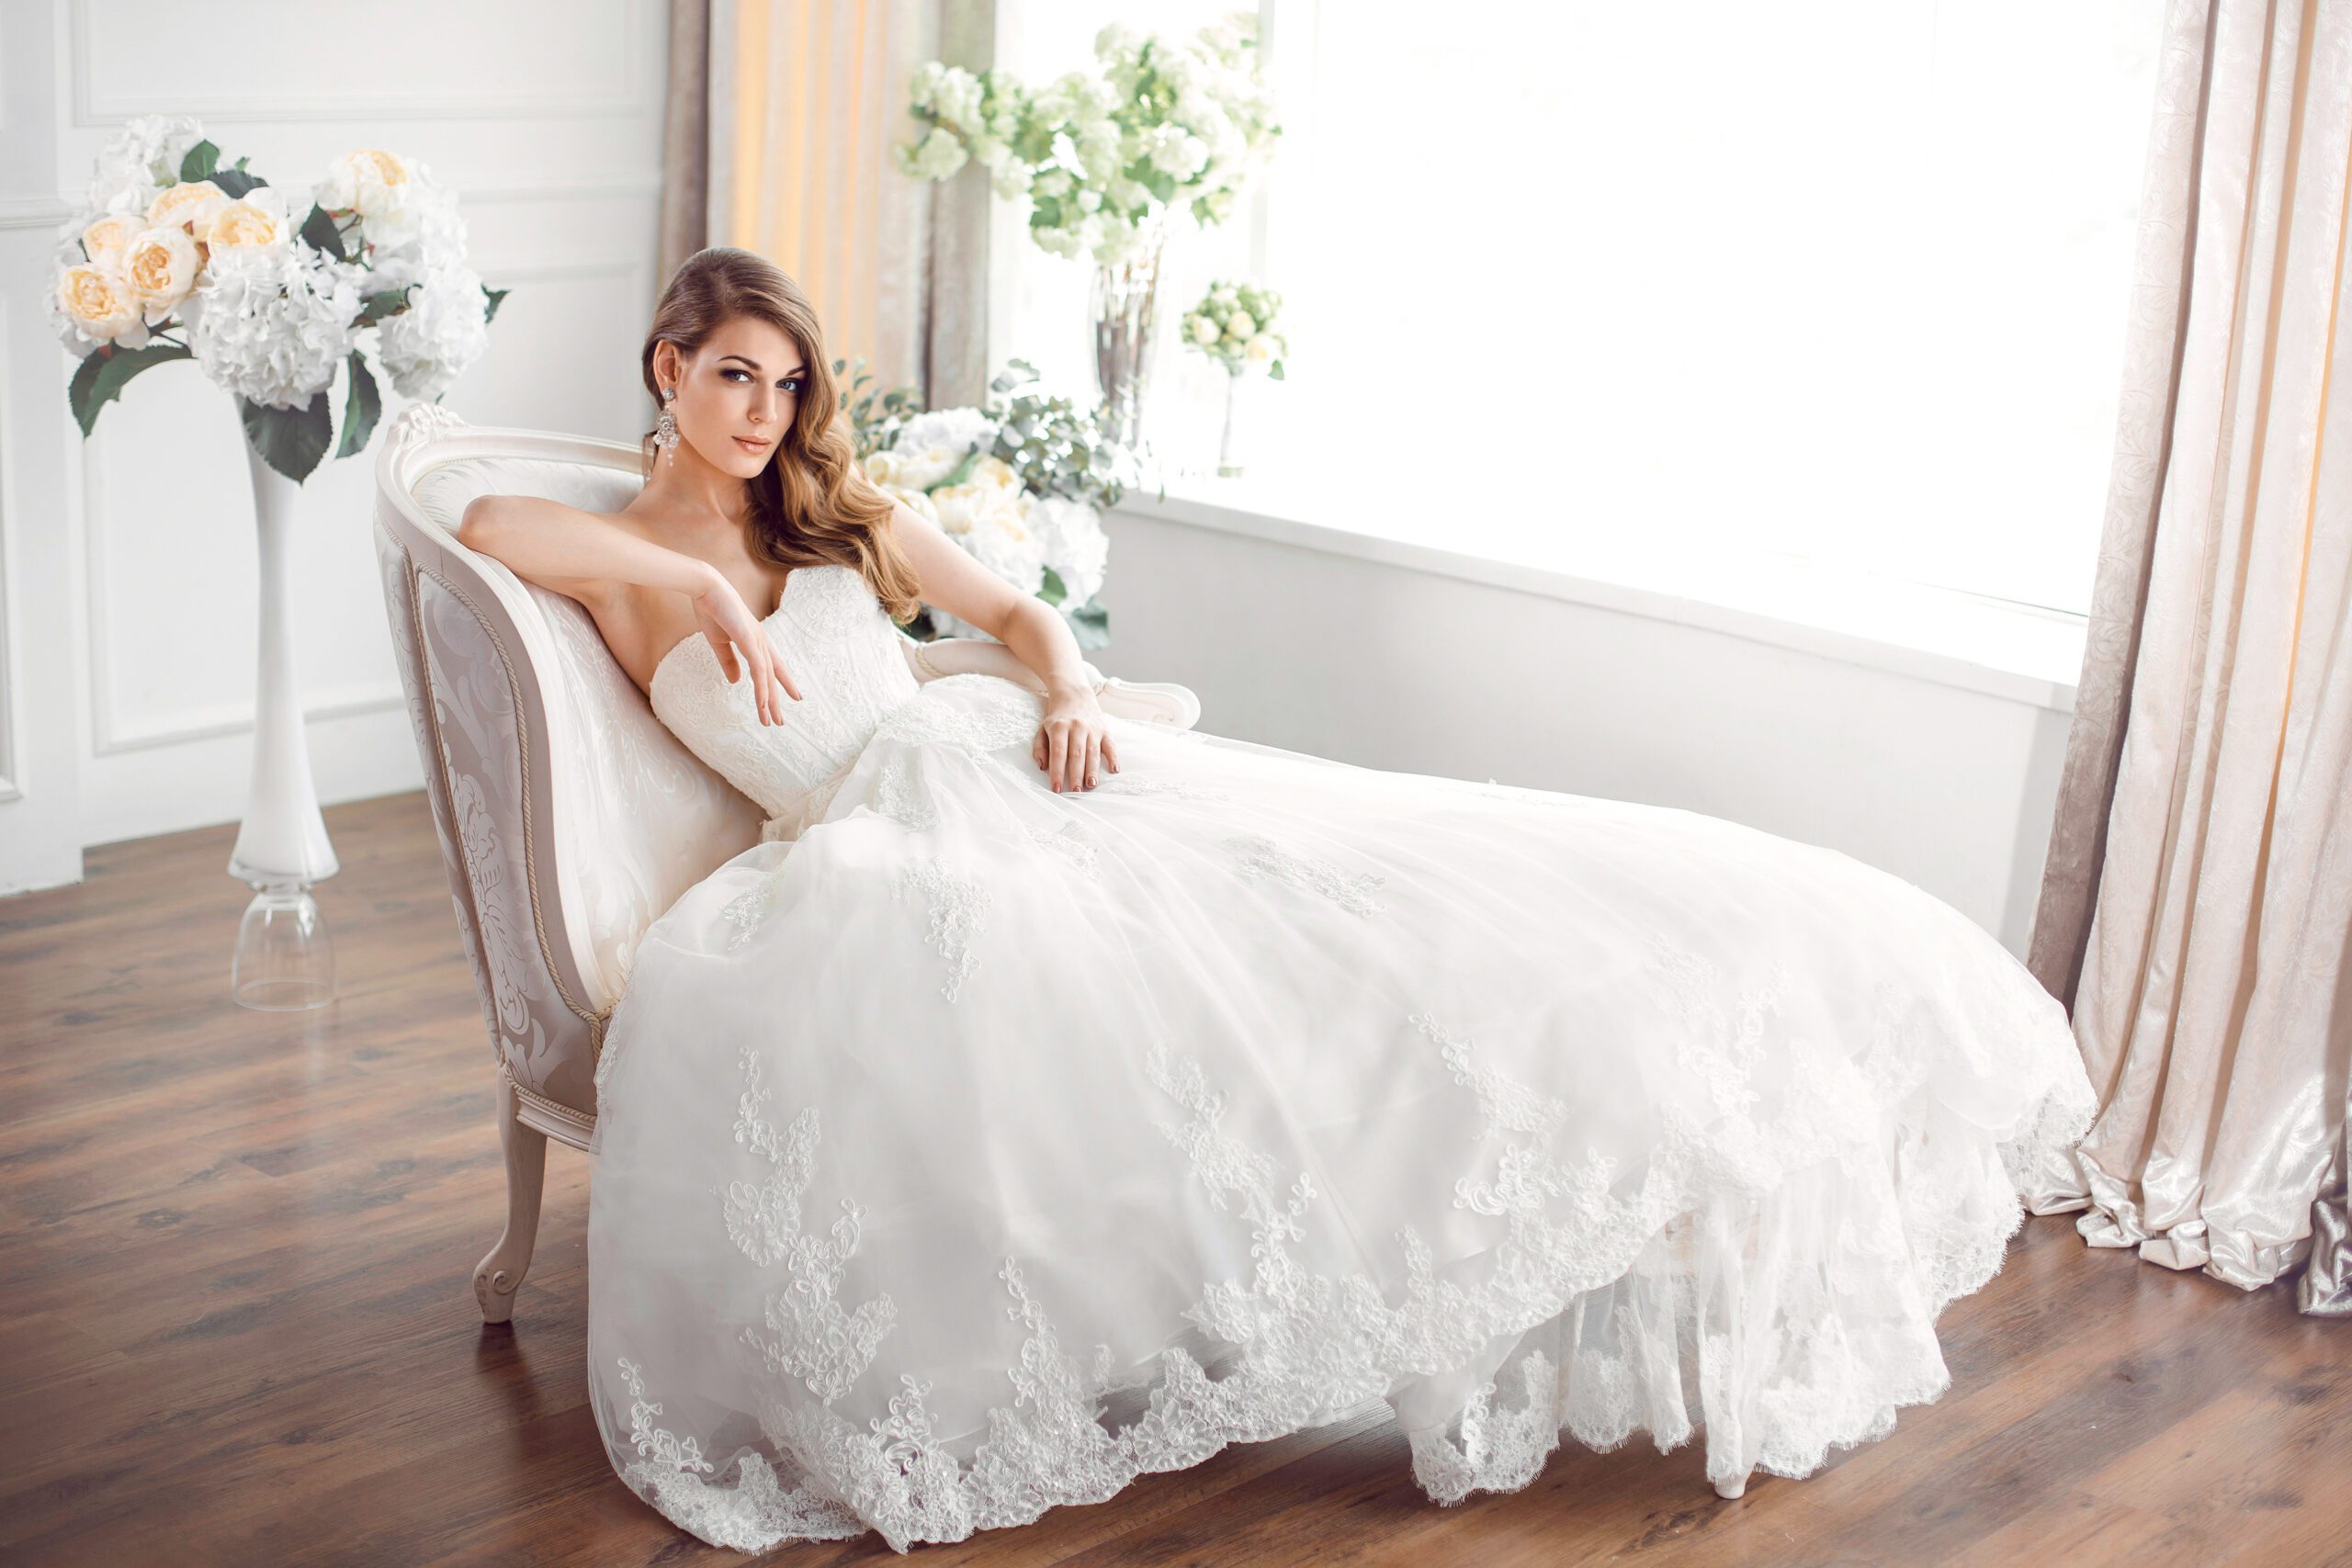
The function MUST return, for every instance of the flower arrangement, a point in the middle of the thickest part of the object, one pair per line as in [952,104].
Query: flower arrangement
[269,304]
[1103,157]
[1022,485]
[1233,324]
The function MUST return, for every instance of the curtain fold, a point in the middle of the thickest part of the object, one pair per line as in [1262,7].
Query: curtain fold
[686,142]
[806,99]
[2195,909]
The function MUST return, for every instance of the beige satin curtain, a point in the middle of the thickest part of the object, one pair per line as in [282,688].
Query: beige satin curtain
[806,99]
[2197,905]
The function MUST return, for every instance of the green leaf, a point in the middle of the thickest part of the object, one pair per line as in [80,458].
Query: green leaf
[1091,624]
[235,183]
[201,160]
[962,470]
[319,232]
[383,303]
[1054,591]
[1275,370]
[362,406]
[107,370]
[289,440]
[495,295]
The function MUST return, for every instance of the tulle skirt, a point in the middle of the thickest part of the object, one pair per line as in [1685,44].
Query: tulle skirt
[968,1150]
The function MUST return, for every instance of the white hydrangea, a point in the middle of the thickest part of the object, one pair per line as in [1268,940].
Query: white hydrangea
[434,341]
[141,158]
[1072,540]
[408,241]
[270,323]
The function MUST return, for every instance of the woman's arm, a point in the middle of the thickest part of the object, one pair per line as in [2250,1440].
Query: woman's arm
[1073,744]
[583,557]
[575,553]
[977,656]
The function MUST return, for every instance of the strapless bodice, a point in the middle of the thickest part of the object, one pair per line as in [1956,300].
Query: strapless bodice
[842,651]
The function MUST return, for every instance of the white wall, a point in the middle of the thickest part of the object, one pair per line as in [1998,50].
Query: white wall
[1946,785]
[130,588]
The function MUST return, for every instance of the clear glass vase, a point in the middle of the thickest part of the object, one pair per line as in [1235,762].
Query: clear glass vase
[1228,459]
[1123,302]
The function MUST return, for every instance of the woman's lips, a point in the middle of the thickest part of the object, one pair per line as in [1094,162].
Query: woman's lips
[754,446]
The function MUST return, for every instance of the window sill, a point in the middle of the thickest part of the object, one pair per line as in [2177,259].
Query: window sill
[2001,649]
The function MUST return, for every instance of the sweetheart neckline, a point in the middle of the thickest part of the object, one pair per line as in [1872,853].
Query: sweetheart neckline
[783,598]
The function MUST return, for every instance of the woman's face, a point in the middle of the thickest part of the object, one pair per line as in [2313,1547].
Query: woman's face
[737,394]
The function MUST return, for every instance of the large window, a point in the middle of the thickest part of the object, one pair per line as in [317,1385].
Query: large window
[1842,280]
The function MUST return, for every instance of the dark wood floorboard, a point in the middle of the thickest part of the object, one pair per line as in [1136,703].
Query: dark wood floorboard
[236,1250]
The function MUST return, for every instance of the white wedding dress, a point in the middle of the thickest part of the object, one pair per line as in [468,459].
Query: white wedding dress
[967,1148]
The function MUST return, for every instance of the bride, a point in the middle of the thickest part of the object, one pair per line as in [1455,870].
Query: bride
[1050,1098]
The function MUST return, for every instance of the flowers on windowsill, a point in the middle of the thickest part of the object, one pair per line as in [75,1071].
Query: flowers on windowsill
[269,305]
[1233,324]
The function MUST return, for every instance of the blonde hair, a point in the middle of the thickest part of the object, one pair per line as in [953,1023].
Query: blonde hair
[810,505]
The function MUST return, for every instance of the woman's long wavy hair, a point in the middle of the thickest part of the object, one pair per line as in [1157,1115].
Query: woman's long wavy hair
[810,505]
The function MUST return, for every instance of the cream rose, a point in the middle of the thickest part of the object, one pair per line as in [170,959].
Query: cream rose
[107,238]
[247,222]
[192,205]
[370,182]
[882,467]
[998,474]
[1260,350]
[159,268]
[1204,331]
[100,302]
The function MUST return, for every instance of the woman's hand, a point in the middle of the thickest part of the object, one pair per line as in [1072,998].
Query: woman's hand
[729,625]
[1073,744]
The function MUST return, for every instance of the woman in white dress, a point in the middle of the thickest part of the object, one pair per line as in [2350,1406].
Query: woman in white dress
[1051,1098]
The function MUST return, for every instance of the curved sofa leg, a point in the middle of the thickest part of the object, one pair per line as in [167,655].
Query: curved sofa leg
[501,1274]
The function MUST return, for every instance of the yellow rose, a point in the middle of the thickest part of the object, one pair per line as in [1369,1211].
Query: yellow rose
[246,222]
[100,302]
[190,205]
[161,267]
[106,238]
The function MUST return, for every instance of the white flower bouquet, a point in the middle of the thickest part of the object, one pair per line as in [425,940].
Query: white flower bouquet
[268,298]
[1021,485]
[1103,157]
[1233,324]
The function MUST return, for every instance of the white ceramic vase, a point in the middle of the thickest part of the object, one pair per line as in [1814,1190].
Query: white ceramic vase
[285,960]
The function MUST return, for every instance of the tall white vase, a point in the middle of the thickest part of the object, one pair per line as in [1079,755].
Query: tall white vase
[285,960]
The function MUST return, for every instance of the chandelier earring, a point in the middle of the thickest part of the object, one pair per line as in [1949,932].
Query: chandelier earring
[665,429]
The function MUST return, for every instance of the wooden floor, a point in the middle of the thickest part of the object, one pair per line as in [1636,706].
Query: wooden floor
[237,1327]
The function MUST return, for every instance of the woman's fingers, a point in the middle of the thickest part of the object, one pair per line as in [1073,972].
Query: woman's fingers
[1110,752]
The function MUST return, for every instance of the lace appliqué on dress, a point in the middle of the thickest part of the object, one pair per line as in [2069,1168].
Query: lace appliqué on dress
[1124,783]
[749,1516]
[896,798]
[747,909]
[815,1340]
[959,906]
[974,713]
[1071,845]
[1351,891]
